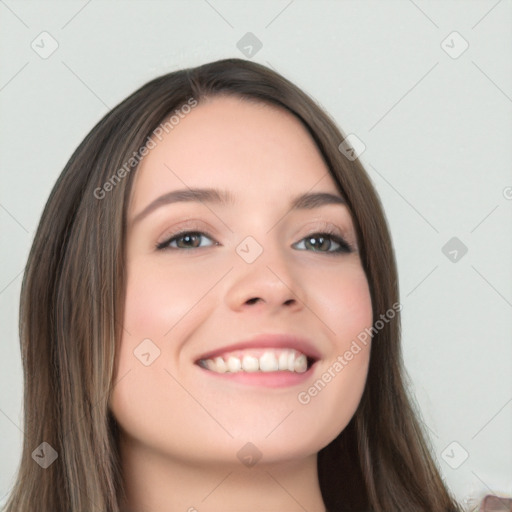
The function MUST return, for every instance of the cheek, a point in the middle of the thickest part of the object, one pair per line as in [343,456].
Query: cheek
[157,296]
[148,403]
[347,315]
[345,303]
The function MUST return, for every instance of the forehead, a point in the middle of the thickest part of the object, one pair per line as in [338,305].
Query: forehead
[256,150]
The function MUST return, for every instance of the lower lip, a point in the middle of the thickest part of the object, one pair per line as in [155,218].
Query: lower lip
[265,379]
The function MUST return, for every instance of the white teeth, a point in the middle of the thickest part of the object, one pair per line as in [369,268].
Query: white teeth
[221,365]
[234,364]
[270,361]
[250,364]
[301,364]
[291,361]
[210,364]
[283,361]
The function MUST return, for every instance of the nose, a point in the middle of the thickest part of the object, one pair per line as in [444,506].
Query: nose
[269,283]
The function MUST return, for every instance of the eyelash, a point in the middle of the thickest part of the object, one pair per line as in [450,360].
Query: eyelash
[344,246]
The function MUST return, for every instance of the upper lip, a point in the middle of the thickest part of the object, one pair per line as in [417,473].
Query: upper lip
[275,341]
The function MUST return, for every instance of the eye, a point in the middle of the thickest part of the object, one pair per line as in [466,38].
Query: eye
[185,240]
[324,242]
[329,243]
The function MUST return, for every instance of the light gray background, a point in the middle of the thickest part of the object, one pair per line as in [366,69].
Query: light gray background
[437,131]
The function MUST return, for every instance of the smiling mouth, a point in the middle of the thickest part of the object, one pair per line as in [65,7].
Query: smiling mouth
[259,361]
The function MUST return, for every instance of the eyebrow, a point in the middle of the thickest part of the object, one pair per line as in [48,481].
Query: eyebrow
[307,201]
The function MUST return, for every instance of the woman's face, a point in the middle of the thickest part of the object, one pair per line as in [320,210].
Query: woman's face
[253,286]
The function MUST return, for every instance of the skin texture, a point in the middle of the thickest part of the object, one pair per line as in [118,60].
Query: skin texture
[181,427]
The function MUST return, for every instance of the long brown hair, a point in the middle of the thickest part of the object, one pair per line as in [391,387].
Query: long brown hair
[71,314]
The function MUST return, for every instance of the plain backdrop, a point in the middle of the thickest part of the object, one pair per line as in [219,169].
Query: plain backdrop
[425,85]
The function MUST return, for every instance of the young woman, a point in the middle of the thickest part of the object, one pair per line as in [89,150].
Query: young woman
[210,315]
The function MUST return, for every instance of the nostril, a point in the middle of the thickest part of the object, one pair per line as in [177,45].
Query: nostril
[253,300]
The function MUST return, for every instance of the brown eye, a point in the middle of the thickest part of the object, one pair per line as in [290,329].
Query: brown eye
[324,242]
[185,240]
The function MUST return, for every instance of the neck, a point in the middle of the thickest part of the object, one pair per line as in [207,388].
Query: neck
[157,483]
